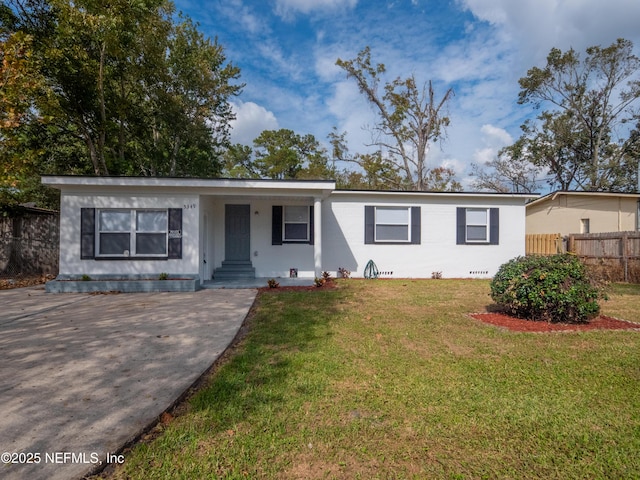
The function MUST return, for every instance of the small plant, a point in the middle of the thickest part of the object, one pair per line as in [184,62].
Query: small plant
[272,283]
[85,278]
[319,282]
[326,276]
[163,276]
[556,288]
[344,273]
[436,275]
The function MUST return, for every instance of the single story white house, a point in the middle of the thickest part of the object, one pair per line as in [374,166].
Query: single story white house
[205,229]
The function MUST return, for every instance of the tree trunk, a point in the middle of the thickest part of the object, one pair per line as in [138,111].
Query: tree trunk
[174,156]
[103,113]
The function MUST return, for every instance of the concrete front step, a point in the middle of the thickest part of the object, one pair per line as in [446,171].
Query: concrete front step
[234,269]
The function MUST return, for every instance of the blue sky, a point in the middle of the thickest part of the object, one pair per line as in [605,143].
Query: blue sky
[287,49]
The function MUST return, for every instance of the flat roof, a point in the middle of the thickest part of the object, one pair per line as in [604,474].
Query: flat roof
[59,181]
[255,186]
[435,193]
[554,195]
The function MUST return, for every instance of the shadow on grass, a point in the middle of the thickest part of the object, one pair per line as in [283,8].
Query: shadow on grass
[286,332]
[496,308]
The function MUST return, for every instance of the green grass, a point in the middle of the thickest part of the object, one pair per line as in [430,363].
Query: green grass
[392,379]
[624,302]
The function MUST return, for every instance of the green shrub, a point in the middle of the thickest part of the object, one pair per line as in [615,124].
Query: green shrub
[556,288]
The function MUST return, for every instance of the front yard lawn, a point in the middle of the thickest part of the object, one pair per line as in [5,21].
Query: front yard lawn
[392,379]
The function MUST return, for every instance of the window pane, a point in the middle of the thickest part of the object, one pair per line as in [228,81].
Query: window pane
[151,221]
[115,220]
[151,244]
[296,214]
[114,243]
[476,216]
[476,233]
[392,233]
[295,231]
[392,215]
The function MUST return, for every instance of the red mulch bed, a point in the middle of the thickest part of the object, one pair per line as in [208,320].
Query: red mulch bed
[520,325]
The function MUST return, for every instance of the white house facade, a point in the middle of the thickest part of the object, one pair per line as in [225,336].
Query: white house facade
[205,229]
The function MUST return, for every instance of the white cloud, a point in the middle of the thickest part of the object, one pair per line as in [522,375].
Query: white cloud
[494,138]
[236,12]
[353,114]
[536,26]
[286,8]
[325,65]
[251,120]
[272,52]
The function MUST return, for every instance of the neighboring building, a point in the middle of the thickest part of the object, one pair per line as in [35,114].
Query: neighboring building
[226,228]
[28,241]
[583,212]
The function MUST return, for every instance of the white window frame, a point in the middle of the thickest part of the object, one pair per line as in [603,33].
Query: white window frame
[285,223]
[133,231]
[487,225]
[585,225]
[407,223]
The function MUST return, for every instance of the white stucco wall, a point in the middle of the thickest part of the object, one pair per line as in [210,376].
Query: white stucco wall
[267,259]
[343,237]
[70,208]
[343,226]
[344,244]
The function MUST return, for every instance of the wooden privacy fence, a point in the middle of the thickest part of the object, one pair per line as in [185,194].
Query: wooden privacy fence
[544,244]
[616,256]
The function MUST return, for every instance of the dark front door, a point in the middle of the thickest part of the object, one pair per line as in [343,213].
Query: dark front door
[236,227]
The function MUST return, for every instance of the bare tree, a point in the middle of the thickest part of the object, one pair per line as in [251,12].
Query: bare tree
[411,118]
[510,172]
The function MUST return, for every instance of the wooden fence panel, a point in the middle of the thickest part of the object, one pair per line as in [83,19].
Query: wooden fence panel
[544,244]
[617,254]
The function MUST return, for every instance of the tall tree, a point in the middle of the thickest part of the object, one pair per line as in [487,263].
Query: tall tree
[283,154]
[238,162]
[127,88]
[584,139]
[411,118]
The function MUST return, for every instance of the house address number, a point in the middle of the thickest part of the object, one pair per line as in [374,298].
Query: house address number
[188,206]
[175,233]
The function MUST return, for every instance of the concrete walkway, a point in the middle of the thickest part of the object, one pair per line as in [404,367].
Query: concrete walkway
[80,375]
[259,282]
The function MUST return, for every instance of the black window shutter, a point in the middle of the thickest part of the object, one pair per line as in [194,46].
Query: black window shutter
[461,225]
[311,225]
[415,225]
[276,225]
[175,233]
[369,224]
[87,233]
[494,226]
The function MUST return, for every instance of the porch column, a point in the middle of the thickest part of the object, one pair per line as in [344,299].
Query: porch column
[317,236]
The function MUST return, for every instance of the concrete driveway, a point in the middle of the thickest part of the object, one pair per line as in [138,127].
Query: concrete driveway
[80,375]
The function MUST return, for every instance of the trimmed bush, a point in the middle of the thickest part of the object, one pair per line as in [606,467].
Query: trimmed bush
[556,288]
